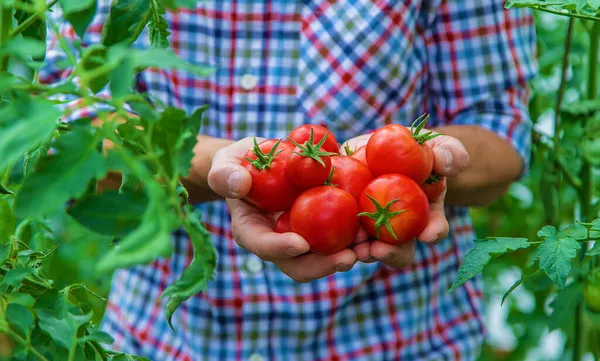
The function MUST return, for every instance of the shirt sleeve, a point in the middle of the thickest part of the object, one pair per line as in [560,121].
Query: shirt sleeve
[481,57]
[57,69]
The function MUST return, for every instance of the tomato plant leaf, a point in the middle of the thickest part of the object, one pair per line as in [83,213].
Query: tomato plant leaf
[547,231]
[484,251]
[20,319]
[25,123]
[111,213]
[555,257]
[125,22]
[121,79]
[13,279]
[8,221]
[63,330]
[528,273]
[79,14]
[565,305]
[63,175]
[24,48]
[158,26]
[594,251]
[151,240]
[98,336]
[175,4]
[575,8]
[200,271]
[37,29]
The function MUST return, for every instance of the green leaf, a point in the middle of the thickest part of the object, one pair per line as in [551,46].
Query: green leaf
[111,213]
[63,330]
[24,48]
[20,319]
[37,29]
[151,240]
[24,124]
[8,221]
[92,58]
[121,79]
[80,14]
[13,279]
[62,176]
[98,336]
[176,4]
[555,257]
[484,251]
[591,150]
[565,306]
[202,268]
[159,58]
[547,231]
[594,251]
[125,22]
[158,28]
[4,190]
[528,273]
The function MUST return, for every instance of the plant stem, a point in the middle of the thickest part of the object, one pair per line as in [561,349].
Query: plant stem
[24,342]
[30,20]
[569,14]
[5,27]
[559,101]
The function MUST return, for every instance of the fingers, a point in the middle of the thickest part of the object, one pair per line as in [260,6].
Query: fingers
[397,257]
[362,251]
[313,266]
[227,177]
[451,156]
[253,230]
[437,228]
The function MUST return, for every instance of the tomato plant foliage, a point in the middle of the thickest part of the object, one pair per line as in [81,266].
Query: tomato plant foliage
[49,166]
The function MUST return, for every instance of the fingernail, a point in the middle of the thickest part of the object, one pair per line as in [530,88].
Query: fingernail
[344,267]
[433,239]
[294,251]
[448,158]
[234,182]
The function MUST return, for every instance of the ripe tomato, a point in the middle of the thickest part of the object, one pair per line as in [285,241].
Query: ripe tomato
[361,154]
[271,189]
[394,209]
[309,164]
[350,175]
[283,224]
[434,186]
[398,149]
[326,217]
[302,134]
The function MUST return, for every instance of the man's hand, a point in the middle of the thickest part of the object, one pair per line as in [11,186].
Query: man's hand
[450,158]
[253,228]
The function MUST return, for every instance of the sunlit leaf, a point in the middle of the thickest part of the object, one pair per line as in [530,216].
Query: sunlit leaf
[555,257]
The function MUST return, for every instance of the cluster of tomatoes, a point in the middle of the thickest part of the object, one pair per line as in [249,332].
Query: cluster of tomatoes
[386,185]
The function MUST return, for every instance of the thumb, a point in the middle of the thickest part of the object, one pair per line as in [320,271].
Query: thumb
[227,177]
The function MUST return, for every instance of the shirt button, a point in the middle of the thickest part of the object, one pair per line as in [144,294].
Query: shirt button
[254,265]
[249,82]
[256,357]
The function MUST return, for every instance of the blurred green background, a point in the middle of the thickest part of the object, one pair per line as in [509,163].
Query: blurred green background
[517,330]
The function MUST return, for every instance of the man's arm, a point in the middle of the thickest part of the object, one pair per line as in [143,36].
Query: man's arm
[494,165]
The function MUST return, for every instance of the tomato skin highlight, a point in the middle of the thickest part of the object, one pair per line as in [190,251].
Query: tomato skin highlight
[302,133]
[305,172]
[411,199]
[433,190]
[271,189]
[392,149]
[350,175]
[326,217]
[283,224]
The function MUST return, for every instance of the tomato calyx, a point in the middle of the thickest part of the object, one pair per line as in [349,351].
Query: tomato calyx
[434,178]
[263,160]
[330,178]
[418,125]
[312,150]
[382,215]
[349,151]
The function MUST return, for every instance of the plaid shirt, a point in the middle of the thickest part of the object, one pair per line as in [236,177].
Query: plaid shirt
[353,66]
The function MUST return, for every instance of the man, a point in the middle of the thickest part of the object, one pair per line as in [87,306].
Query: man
[352,66]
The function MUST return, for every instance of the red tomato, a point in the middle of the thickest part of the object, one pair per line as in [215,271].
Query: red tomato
[271,189]
[394,209]
[361,154]
[301,135]
[283,224]
[326,217]
[350,175]
[309,164]
[434,186]
[398,149]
